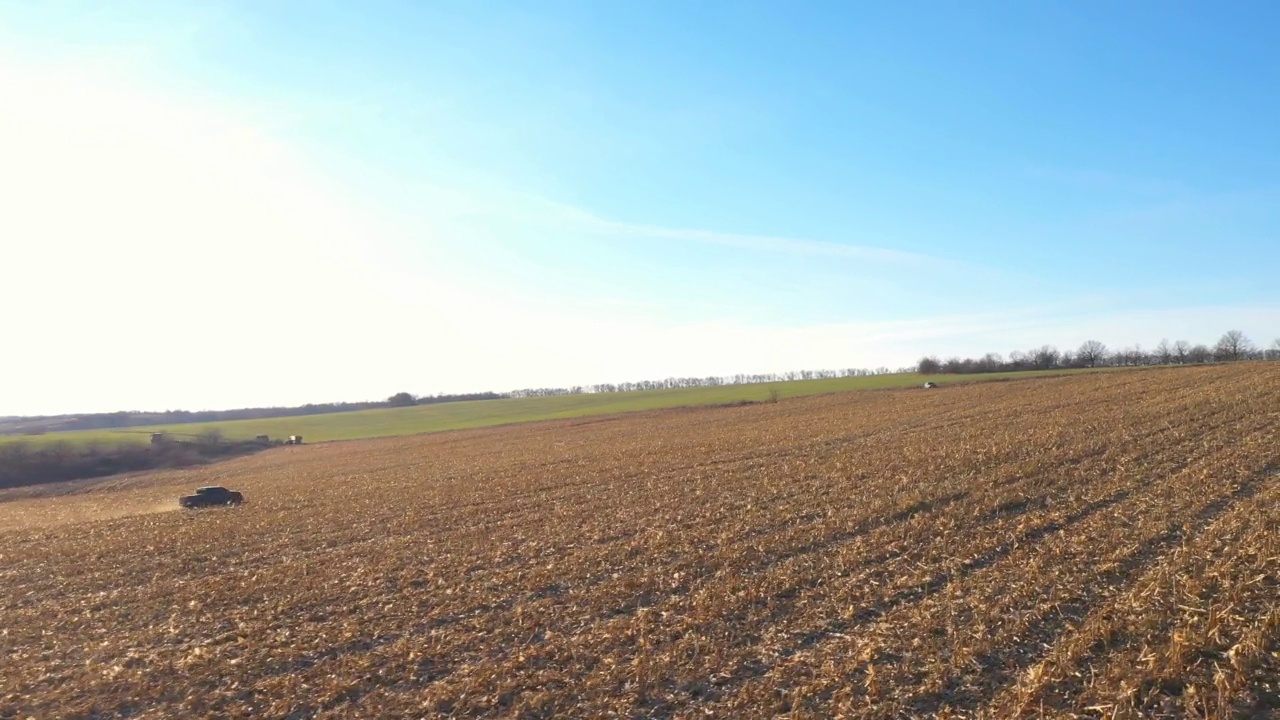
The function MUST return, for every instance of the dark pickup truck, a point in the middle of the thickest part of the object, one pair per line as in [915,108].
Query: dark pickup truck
[211,496]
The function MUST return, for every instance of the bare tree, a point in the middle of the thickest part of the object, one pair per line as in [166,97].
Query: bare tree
[1136,355]
[992,361]
[1181,350]
[1130,356]
[1091,353]
[1045,357]
[1233,346]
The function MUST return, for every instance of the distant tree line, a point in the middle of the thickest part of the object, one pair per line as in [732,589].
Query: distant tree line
[674,383]
[404,399]
[1233,346]
[125,419]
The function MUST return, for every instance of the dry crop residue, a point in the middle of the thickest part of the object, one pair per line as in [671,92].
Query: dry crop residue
[1086,546]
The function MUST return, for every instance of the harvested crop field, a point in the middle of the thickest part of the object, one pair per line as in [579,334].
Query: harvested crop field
[1099,545]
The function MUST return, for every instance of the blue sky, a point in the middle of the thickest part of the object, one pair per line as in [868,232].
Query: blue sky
[455,196]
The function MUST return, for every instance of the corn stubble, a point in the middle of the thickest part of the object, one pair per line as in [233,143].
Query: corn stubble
[1102,546]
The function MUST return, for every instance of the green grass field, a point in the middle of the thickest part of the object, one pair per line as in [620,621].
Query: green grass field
[458,415]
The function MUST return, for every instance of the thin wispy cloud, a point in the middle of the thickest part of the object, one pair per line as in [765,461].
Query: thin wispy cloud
[563,215]
[1110,181]
[1242,205]
[770,244]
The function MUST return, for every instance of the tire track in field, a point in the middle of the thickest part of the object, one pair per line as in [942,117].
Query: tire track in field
[993,511]
[659,598]
[810,547]
[1005,664]
[1003,667]
[909,597]
[1068,677]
